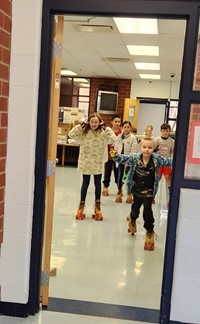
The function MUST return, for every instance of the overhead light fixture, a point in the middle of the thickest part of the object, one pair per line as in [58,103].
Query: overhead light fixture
[65,72]
[150,76]
[137,25]
[147,66]
[85,85]
[80,80]
[117,59]
[143,50]
[94,28]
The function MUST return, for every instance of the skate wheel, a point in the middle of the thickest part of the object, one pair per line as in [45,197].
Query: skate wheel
[118,200]
[80,217]
[129,230]
[129,201]
[149,247]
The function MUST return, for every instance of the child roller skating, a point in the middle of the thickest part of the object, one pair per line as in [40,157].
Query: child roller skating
[97,211]
[94,138]
[126,144]
[79,214]
[142,181]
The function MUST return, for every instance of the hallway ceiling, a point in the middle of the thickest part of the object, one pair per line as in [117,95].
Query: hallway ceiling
[103,52]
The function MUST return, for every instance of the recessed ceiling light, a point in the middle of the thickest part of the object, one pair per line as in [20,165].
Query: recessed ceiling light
[137,25]
[150,76]
[85,85]
[67,72]
[143,50]
[147,66]
[80,80]
[94,28]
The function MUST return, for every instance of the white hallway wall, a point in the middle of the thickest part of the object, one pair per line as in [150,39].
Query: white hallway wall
[22,119]
[15,250]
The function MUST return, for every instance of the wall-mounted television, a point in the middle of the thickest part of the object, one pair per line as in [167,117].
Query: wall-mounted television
[106,102]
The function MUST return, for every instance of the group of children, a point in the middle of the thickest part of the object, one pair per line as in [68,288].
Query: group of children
[101,147]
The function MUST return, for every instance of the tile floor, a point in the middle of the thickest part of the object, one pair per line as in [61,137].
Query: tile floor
[103,273]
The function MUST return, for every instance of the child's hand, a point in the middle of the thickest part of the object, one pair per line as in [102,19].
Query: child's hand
[113,152]
[83,124]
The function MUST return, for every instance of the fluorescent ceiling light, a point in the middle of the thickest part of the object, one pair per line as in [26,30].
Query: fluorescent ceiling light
[136,25]
[150,76]
[67,72]
[143,50]
[85,85]
[147,66]
[80,80]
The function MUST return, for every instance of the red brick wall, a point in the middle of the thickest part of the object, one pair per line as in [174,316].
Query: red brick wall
[195,108]
[5,35]
[124,89]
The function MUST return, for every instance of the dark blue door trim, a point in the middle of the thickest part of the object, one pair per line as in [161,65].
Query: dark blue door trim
[187,10]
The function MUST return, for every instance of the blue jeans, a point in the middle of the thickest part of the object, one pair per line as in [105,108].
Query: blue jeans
[120,176]
[85,185]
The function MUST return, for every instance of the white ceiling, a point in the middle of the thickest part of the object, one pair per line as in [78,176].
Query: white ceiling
[86,53]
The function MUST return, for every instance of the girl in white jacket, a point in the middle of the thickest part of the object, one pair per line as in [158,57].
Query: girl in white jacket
[126,144]
[93,137]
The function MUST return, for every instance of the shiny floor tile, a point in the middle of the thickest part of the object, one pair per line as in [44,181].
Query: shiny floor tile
[99,263]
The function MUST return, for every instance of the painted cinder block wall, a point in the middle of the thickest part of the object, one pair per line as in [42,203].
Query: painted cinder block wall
[21,142]
[5,36]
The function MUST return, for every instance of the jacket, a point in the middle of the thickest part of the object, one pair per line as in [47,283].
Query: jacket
[128,143]
[132,161]
[93,148]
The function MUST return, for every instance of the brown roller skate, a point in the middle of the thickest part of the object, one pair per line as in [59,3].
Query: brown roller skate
[132,226]
[79,214]
[105,191]
[129,198]
[149,241]
[119,196]
[97,211]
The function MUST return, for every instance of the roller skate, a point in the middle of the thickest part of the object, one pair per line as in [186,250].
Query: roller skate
[149,241]
[105,191]
[132,226]
[119,196]
[129,198]
[79,214]
[97,211]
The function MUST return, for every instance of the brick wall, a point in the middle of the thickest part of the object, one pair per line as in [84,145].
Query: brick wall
[124,89]
[5,35]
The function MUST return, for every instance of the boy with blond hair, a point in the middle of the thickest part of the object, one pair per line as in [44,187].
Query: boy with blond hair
[142,181]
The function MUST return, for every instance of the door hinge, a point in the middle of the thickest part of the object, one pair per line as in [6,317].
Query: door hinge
[44,279]
[51,166]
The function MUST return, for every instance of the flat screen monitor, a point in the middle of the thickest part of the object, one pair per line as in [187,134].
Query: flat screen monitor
[107,102]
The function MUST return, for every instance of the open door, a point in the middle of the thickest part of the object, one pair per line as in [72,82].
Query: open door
[51,162]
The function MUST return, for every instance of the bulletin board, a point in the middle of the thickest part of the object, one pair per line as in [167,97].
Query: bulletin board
[194,143]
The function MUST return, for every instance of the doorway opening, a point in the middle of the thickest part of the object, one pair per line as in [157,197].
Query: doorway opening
[88,254]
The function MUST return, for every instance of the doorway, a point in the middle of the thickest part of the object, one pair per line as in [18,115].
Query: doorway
[71,227]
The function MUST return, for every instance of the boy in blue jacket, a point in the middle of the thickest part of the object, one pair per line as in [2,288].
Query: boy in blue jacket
[142,180]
